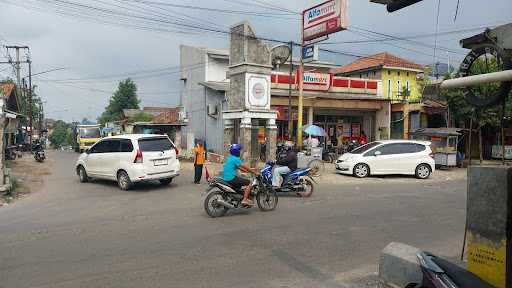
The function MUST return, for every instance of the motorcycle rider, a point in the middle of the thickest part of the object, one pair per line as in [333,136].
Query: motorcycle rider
[230,174]
[286,164]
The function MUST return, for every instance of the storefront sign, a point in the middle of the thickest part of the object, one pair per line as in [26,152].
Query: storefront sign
[324,19]
[317,81]
[310,53]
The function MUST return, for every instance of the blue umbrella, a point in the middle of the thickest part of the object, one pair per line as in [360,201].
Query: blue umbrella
[314,130]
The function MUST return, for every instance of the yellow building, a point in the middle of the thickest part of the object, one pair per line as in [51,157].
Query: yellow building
[399,84]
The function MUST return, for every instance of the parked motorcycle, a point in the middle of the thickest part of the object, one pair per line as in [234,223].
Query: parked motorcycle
[439,273]
[329,154]
[298,181]
[221,197]
[11,153]
[38,151]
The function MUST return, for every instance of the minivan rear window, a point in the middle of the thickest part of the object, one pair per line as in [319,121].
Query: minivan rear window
[155,144]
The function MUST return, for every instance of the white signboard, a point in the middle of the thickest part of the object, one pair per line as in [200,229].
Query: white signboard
[310,53]
[257,91]
[324,19]
[317,81]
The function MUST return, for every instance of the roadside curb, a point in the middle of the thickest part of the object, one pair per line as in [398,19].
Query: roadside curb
[398,265]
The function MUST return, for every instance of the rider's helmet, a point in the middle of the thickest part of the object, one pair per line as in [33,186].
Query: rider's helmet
[235,149]
[288,145]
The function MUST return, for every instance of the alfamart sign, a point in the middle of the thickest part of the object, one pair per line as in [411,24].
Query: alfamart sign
[324,19]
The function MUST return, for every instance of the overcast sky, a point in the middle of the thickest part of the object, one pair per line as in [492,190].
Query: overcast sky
[89,48]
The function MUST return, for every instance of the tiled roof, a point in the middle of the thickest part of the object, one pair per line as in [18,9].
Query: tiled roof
[378,60]
[163,115]
[7,89]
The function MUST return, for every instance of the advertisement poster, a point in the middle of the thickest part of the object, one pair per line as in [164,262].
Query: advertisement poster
[346,129]
[356,129]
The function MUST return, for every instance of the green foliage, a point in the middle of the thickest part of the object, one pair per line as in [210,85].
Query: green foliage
[141,117]
[124,98]
[61,134]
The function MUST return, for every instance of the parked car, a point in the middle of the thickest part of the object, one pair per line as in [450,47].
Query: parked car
[129,159]
[389,157]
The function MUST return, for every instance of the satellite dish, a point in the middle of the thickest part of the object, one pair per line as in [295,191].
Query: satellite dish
[280,54]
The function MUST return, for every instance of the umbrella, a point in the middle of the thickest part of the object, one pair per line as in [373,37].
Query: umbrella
[314,130]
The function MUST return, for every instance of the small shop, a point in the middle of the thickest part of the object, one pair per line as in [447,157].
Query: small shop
[497,149]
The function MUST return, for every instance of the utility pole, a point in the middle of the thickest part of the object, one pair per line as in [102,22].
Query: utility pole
[301,87]
[290,120]
[17,64]
[30,100]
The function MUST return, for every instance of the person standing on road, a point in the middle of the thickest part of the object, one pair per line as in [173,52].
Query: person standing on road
[199,156]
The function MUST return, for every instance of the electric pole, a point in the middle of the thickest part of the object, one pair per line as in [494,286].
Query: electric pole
[17,64]
[30,112]
[290,120]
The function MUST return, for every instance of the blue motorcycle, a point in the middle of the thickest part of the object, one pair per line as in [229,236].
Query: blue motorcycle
[298,181]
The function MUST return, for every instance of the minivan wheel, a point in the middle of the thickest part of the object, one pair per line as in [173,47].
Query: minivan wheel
[82,175]
[361,170]
[166,181]
[123,180]
[423,171]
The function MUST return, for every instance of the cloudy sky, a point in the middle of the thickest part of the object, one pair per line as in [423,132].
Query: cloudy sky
[100,42]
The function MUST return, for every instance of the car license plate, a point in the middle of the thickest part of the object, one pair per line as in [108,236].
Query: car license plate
[161,162]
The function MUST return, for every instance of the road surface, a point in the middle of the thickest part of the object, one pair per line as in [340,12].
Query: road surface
[70,234]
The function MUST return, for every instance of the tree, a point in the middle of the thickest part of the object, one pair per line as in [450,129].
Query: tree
[124,98]
[61,134]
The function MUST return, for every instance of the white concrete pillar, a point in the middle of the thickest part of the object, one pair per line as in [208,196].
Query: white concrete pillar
[310,115]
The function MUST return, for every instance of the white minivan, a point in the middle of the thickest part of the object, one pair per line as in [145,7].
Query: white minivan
[128,159]
[389,157]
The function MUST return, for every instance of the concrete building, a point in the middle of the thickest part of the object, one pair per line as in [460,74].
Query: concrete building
[344,106]
[401,85]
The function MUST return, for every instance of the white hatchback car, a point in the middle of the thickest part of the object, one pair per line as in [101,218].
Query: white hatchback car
[128,159]
[389,157]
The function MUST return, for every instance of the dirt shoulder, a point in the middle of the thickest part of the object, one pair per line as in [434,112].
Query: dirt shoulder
[27,176]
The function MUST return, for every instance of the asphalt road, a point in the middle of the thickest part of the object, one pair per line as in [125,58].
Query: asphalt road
[94,235]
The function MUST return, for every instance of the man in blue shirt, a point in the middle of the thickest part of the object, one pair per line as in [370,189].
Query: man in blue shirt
[230,174]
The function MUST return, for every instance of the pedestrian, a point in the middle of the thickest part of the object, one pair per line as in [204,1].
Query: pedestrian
[199,157]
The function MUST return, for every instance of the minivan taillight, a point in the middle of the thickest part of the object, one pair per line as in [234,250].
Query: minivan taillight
[431,155]
[138,157]
[177,150]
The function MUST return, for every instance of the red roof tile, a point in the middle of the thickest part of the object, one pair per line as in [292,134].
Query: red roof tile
[7,89]
[378,60]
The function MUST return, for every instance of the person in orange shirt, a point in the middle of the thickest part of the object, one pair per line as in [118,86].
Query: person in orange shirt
[199,157]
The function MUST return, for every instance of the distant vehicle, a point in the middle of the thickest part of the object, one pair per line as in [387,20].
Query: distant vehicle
[389,157]
[84,136]
[129,159]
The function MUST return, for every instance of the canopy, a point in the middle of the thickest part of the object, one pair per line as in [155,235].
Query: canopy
[314,130]
[439,132]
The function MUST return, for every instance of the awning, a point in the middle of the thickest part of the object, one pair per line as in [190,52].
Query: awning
[439,132]
[216,85]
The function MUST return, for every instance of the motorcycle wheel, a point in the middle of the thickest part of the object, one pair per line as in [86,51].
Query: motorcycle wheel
[308,189]
[267,200]
[211,207]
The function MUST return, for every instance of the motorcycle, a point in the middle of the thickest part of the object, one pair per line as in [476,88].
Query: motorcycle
[439,273]
[329,154]
[298,181]
[222,197]
[38,150]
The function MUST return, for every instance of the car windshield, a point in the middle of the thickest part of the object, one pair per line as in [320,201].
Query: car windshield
[365,148]
[155,144]
[90,132]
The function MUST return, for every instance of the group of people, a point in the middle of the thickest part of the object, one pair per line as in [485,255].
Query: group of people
[233,165]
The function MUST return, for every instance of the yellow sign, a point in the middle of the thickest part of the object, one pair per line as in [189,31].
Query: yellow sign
[487,260]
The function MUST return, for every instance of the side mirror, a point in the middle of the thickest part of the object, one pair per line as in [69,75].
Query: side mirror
[377,153]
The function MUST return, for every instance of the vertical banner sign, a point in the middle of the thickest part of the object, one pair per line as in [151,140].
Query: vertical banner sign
[324,19]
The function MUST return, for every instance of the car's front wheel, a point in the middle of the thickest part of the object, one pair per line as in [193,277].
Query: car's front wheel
[82,175]
[423,171]
[361,170]
[123,180]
